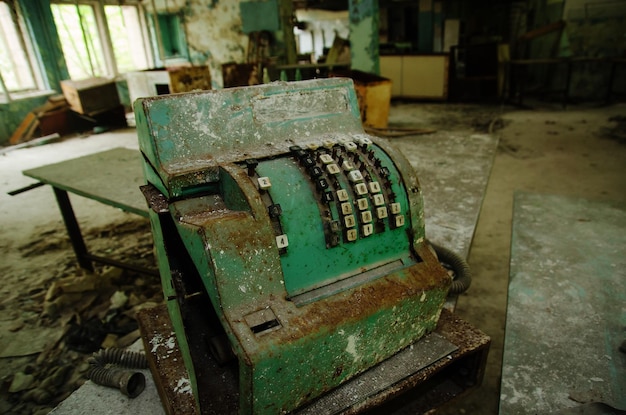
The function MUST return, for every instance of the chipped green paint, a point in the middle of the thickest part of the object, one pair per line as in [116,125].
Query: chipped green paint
[364,21]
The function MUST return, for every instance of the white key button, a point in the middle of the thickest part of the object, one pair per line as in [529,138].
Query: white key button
[350,146]
[362,203]
[399,221]
[374,187]
[381,212]
[346,208]
[282,241]
[347,165]
[355,176]
[379,200]
[264,183]
[332,168]
[342,195]
[368,229]
[326,158]
[366,217]
[395,208]
[360,189]
[351,235]
[349,221]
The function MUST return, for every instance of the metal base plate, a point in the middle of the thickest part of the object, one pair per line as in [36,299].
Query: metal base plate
[439,367]
[382,377]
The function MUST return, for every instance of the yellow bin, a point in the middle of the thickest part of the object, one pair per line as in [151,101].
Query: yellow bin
[374,95]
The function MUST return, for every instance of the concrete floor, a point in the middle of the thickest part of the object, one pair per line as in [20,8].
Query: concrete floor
[555,151]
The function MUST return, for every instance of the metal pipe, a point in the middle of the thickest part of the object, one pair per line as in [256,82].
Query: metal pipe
[452,261]
[129,383]
[117,356]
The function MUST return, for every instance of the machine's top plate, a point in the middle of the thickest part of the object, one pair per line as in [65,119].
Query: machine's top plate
[195,132]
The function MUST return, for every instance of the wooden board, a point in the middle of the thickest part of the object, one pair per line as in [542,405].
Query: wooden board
[24,131]
[166,361]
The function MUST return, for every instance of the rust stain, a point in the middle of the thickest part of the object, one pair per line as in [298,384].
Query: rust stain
[366,299]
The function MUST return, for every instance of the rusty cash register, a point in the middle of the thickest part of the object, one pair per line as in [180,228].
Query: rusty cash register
[290,244]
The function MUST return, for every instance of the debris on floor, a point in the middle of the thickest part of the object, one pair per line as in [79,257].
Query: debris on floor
[42,121]
[48,333]
[618,130]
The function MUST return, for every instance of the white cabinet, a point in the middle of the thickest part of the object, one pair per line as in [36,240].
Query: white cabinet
[417,76]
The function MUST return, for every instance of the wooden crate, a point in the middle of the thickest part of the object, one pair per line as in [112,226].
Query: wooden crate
[91,96]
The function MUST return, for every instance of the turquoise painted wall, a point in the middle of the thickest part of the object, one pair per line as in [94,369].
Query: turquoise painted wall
[12,114]
[425,24]
[364,38]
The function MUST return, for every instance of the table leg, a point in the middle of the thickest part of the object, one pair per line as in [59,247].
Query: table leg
[73,230]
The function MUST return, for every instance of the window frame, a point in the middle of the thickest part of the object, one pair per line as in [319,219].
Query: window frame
[26,45]
[108,52]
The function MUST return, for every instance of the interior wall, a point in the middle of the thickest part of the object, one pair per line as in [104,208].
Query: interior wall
[322,27]
[12,114]
[214,35]
[595,28]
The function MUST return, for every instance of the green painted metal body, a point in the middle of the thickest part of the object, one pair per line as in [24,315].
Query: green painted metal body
[216,237]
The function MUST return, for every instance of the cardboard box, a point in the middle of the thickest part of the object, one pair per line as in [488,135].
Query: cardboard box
[91,96]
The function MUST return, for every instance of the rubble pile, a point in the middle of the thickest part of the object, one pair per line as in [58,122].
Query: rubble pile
[49,330]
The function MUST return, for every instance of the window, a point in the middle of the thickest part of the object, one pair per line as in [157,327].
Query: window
[80,40]
[168,38]
[100,39]
[127,37]
[16,70]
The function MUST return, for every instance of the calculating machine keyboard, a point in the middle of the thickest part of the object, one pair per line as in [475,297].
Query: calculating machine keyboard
[290,243]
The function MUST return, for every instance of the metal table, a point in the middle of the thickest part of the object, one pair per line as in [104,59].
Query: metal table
[111,177]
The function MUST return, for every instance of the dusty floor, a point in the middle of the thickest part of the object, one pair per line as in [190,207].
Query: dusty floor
[580,151]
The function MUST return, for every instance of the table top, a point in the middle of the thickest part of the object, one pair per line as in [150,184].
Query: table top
[111,177]
[565,316]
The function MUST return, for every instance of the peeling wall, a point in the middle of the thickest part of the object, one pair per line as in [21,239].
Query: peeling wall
[12,114]
[594,29]
[364,37]
[214,34]
[213,29]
